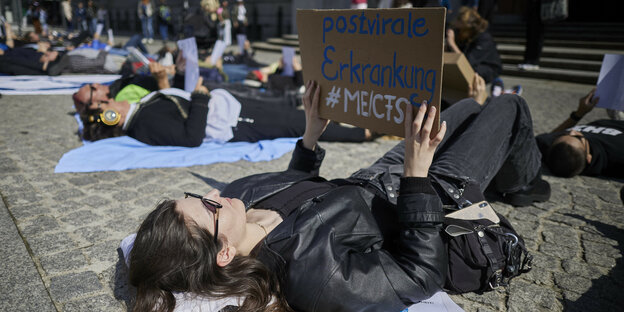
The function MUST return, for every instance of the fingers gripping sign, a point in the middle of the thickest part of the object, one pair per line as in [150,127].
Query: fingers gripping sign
[419,146]
[199,87]
[315,125]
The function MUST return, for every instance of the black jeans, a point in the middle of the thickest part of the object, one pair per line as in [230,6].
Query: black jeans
[494,143]
[269,121]
[534,33]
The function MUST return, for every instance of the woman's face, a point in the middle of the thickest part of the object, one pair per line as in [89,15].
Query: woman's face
[232,216]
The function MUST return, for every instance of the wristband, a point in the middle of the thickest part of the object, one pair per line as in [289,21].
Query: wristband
[574,116]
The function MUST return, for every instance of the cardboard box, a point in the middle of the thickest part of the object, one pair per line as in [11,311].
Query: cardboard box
[457,78]
[370,64]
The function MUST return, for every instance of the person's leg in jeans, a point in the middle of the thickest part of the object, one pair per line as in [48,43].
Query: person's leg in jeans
[164,29]
[144,27]
[479,143]
[456,117]
[150,28]
[498,142]
[135,41]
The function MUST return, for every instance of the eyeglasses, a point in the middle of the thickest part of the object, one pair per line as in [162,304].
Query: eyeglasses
[91,88]
[211,206]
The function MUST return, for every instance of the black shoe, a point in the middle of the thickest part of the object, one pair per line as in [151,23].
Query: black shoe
[537,191]
[622,194]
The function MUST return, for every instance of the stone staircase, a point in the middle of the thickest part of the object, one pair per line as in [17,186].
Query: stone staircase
[572,52]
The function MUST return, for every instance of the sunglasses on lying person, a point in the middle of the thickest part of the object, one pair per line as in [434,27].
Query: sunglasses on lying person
[211,206]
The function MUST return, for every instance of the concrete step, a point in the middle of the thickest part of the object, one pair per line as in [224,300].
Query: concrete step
[574,32]
[266,46]
[586,65]
[283,42]
[604,45]
[578,76]
[290,37]
[570,35]
[559,52]
[580,65]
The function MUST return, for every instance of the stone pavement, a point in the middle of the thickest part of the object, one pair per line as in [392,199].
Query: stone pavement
[60,232]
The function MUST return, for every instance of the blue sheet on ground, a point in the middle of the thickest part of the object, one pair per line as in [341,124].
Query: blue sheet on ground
[123,153]
[237,72]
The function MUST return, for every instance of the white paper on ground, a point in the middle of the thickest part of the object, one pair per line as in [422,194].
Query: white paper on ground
[440,302]
[217,51]
[287,56]
[191,75]
[610,87]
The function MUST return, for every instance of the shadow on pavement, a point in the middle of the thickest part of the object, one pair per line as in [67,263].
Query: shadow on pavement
[605,292]
[123,290]
[210,181]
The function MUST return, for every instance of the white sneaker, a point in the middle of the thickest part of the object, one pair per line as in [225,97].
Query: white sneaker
[150,40]
[144,40]
[528,66]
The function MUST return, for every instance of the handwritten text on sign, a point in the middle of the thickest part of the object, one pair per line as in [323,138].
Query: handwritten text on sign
[372,63]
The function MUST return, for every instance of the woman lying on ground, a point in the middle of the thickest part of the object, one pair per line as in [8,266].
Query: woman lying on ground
[174,117]
[369,242]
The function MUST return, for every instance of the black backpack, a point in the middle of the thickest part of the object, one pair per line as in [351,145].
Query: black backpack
[483,254]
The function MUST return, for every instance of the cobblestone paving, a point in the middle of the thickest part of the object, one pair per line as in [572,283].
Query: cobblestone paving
[61,231]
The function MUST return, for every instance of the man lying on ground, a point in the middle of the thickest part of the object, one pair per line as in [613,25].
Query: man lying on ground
[174,117]
[593,149]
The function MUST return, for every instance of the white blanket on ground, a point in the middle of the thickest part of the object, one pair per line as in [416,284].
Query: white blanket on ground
[38,85]
[440,302]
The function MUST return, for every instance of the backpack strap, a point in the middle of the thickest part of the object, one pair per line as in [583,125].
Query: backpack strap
[495,278]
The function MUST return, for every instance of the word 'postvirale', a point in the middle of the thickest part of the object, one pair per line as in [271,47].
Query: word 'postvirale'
[389,74]
[369,104]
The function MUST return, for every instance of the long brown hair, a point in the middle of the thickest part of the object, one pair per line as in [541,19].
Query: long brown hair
[468,25]
[173,254]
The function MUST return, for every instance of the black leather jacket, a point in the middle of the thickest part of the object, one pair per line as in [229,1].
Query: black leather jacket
[331,254]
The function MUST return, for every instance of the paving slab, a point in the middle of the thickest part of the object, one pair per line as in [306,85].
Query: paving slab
[60,232]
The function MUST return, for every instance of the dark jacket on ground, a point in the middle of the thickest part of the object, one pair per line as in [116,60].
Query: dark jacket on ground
[483,56]
[160,122]
[21,61]
[145,82]
[331,252]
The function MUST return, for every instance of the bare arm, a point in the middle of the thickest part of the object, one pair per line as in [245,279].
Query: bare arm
[586,104]
[9,35]
[450,41]
[315,125]
[159,73]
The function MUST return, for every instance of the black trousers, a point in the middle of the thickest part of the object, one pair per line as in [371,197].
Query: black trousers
[262,122]
[490,144]
[534,33]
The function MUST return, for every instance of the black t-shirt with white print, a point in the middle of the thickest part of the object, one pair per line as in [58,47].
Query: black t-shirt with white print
[606,144]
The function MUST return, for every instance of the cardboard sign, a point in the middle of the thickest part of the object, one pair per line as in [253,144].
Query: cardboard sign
[610,81]
[371,63]
[458,76]
[191,74]
[217,51]
[287,58]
